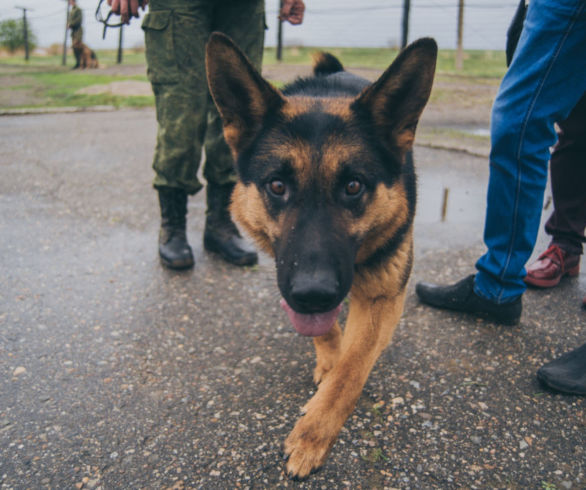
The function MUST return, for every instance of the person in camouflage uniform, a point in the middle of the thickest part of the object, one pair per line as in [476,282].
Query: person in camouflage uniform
[176,32]
[74,22]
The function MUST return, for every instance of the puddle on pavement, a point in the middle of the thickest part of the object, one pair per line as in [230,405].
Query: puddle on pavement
[444,199]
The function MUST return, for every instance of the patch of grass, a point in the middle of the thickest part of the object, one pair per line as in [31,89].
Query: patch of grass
[375,455]
[43,81]
[476,63]
[106,57]
[377,409]
[34,61]
[78,100]
[59,89]
[42,84]
[131,57]
[57,82]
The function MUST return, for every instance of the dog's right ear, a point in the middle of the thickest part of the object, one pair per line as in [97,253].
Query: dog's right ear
[242,96]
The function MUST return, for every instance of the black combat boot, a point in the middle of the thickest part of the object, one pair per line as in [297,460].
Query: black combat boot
[174,250]
[221,235]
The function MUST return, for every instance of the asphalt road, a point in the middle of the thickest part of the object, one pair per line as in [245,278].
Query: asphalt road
[116,373]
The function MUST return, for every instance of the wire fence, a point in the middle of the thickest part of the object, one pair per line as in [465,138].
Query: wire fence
[376,23]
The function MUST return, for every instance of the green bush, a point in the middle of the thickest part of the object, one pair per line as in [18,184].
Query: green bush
[12,35]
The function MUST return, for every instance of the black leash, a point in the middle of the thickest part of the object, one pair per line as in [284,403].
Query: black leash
[106,20]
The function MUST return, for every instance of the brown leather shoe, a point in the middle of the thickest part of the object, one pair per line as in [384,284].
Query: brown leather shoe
[552,265]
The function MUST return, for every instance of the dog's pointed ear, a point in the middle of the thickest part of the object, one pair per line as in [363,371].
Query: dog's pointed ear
[242,96]
[396,100]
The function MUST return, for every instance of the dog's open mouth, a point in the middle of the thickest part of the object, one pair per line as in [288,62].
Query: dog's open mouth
[314,324]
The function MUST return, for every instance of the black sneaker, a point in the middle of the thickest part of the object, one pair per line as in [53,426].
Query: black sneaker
[461,297]
[566,374]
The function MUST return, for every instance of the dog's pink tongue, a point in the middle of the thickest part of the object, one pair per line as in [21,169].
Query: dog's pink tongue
[313,325]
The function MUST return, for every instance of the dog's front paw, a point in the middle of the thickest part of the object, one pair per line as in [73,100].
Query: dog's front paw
[307,447]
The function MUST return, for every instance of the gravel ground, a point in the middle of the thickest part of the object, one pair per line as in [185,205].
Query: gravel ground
[116,373]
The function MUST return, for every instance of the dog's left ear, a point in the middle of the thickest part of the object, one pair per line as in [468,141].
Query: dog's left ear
[396,100]
[242,96]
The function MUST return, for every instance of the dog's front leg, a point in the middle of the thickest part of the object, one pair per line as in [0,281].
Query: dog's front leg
[327,352]
[369,328]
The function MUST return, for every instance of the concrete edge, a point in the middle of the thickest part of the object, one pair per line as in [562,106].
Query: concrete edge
[27,111]
[55,110]
[110,108]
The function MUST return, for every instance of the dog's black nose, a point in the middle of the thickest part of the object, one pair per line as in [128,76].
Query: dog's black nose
[315,292]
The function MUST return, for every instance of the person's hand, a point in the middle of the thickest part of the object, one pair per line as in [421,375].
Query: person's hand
[292,11]
[127,8]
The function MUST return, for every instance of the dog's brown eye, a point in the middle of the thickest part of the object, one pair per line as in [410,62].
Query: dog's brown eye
[277,187]
[353,188]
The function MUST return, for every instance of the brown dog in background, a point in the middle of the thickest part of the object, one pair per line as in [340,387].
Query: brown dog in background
[87,57]
[327,186]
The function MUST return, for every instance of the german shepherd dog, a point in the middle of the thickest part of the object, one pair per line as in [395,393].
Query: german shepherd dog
[327,186]
[86,56]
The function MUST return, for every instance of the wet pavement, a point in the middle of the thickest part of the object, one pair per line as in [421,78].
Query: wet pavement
[116,373]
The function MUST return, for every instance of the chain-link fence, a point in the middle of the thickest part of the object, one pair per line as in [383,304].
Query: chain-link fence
[370,23]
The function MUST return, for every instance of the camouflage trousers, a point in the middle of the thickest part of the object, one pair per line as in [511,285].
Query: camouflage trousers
[76,35]
[176,32]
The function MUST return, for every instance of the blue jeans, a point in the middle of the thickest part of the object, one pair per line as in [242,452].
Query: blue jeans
[546,79]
